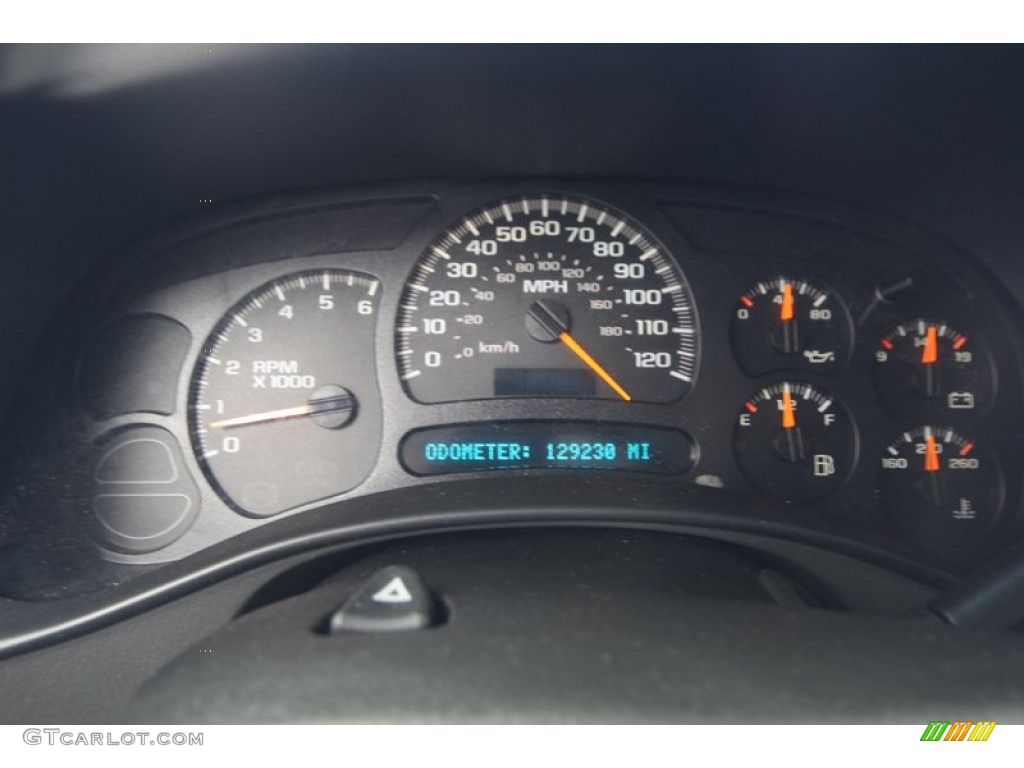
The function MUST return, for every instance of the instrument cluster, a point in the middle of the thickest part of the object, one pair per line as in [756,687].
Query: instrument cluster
[852,372]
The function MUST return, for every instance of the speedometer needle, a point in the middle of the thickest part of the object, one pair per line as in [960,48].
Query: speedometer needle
[557,327]
[595,366]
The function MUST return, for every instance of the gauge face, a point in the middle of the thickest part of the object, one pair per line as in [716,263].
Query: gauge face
[790,324]
[546,297]
[284,408]
[928,366]
[794,441]
[944,490]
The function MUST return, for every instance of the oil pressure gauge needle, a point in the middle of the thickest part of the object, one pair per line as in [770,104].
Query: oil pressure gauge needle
[790,341]
[557,327]
[330,400]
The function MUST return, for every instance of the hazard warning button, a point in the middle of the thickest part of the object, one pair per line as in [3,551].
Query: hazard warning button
[393,599]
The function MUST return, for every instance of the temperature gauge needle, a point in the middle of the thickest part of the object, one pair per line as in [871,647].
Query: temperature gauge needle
[934,486]
[931,455]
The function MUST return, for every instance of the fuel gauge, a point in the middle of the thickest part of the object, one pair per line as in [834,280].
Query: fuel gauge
[794,441]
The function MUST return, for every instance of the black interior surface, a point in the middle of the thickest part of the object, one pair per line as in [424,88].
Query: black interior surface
[566,601]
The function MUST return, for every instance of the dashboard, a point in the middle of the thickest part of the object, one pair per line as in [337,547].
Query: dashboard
[436,310]
[843,373]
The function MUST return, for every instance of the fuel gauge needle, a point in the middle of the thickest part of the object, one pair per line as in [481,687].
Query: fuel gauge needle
[792,436]
[788,416]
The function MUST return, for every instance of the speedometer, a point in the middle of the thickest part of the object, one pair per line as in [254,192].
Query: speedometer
[546,296]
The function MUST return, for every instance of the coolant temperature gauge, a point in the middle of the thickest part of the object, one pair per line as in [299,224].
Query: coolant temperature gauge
[942,488]
[785,323]
[928,366]
[794,441]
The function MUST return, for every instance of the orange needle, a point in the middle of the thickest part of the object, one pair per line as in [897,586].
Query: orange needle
[787,301]
[788,416]
[931,455]
[931,346]
[595,366]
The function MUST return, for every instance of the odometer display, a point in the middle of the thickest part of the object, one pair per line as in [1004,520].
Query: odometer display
[546,296]
[546,445]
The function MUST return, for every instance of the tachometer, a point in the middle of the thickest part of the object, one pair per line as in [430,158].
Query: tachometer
[284,408]
[547,296]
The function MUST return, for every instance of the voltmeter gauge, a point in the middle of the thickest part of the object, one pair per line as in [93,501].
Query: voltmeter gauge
[790,324]
[794,441]
[944,490]
[928,366]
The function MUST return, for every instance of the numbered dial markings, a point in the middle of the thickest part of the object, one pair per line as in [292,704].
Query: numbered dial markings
[794,441]
[546,297]
[790,324]
[928,366]
[943,489]
[283,406]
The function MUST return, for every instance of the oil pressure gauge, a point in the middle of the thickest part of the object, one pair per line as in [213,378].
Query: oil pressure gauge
[788,323]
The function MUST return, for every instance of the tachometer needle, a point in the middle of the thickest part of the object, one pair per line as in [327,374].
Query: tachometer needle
[334,400]
[257,418]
